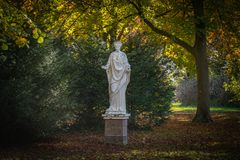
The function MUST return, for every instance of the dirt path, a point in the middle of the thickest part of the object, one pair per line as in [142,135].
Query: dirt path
[178,138]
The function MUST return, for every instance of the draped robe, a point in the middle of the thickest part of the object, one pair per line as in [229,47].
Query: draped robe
[118,73]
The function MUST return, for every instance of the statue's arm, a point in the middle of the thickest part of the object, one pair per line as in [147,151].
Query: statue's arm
[127,66]
[106,67]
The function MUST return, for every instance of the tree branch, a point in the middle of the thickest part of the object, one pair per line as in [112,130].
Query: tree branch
[122,30]
[163,14]
[175,39]
[109,25]
[71,24]
[170,36]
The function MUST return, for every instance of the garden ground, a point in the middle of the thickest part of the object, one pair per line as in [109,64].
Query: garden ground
[178,138]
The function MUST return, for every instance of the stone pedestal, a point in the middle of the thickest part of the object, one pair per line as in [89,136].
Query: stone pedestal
[116,128]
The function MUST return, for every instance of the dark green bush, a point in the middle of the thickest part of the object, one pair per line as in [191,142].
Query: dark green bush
[150,91]
[31,93]
[88,82]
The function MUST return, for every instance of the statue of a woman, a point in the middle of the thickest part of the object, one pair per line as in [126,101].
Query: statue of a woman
[118,73]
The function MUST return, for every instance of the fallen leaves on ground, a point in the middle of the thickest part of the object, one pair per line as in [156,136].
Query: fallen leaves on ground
[177,138]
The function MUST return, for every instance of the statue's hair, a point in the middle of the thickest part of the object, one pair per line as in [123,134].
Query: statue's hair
[117,42]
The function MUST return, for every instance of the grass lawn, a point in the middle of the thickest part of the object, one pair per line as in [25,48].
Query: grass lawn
[178,107]
[176,139]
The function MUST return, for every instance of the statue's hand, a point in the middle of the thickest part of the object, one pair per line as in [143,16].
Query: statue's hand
[128,68]
[104,67]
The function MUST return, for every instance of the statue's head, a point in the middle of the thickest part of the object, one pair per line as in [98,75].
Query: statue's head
[117,45]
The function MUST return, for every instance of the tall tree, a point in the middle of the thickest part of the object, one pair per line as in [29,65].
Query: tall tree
[198,50]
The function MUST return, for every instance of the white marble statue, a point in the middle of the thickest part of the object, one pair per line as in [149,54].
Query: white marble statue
[118,73]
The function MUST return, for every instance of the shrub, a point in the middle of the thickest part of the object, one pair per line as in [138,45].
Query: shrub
[32,94]
[88,83]
[150,91]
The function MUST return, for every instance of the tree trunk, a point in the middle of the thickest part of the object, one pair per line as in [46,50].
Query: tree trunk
[203,97]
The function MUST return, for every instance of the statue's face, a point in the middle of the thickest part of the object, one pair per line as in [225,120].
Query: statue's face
[117,45]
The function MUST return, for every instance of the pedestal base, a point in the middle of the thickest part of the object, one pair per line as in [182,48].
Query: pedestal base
[116,128]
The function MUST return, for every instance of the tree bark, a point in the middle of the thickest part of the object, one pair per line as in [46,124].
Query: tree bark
[203,97]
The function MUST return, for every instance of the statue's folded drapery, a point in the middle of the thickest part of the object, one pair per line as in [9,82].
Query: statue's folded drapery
[118,73]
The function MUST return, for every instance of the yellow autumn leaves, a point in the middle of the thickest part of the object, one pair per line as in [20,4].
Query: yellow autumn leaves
[23,41]
[39,35]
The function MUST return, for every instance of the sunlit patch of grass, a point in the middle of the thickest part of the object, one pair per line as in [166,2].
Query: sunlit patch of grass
[178,107]
[224,109]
